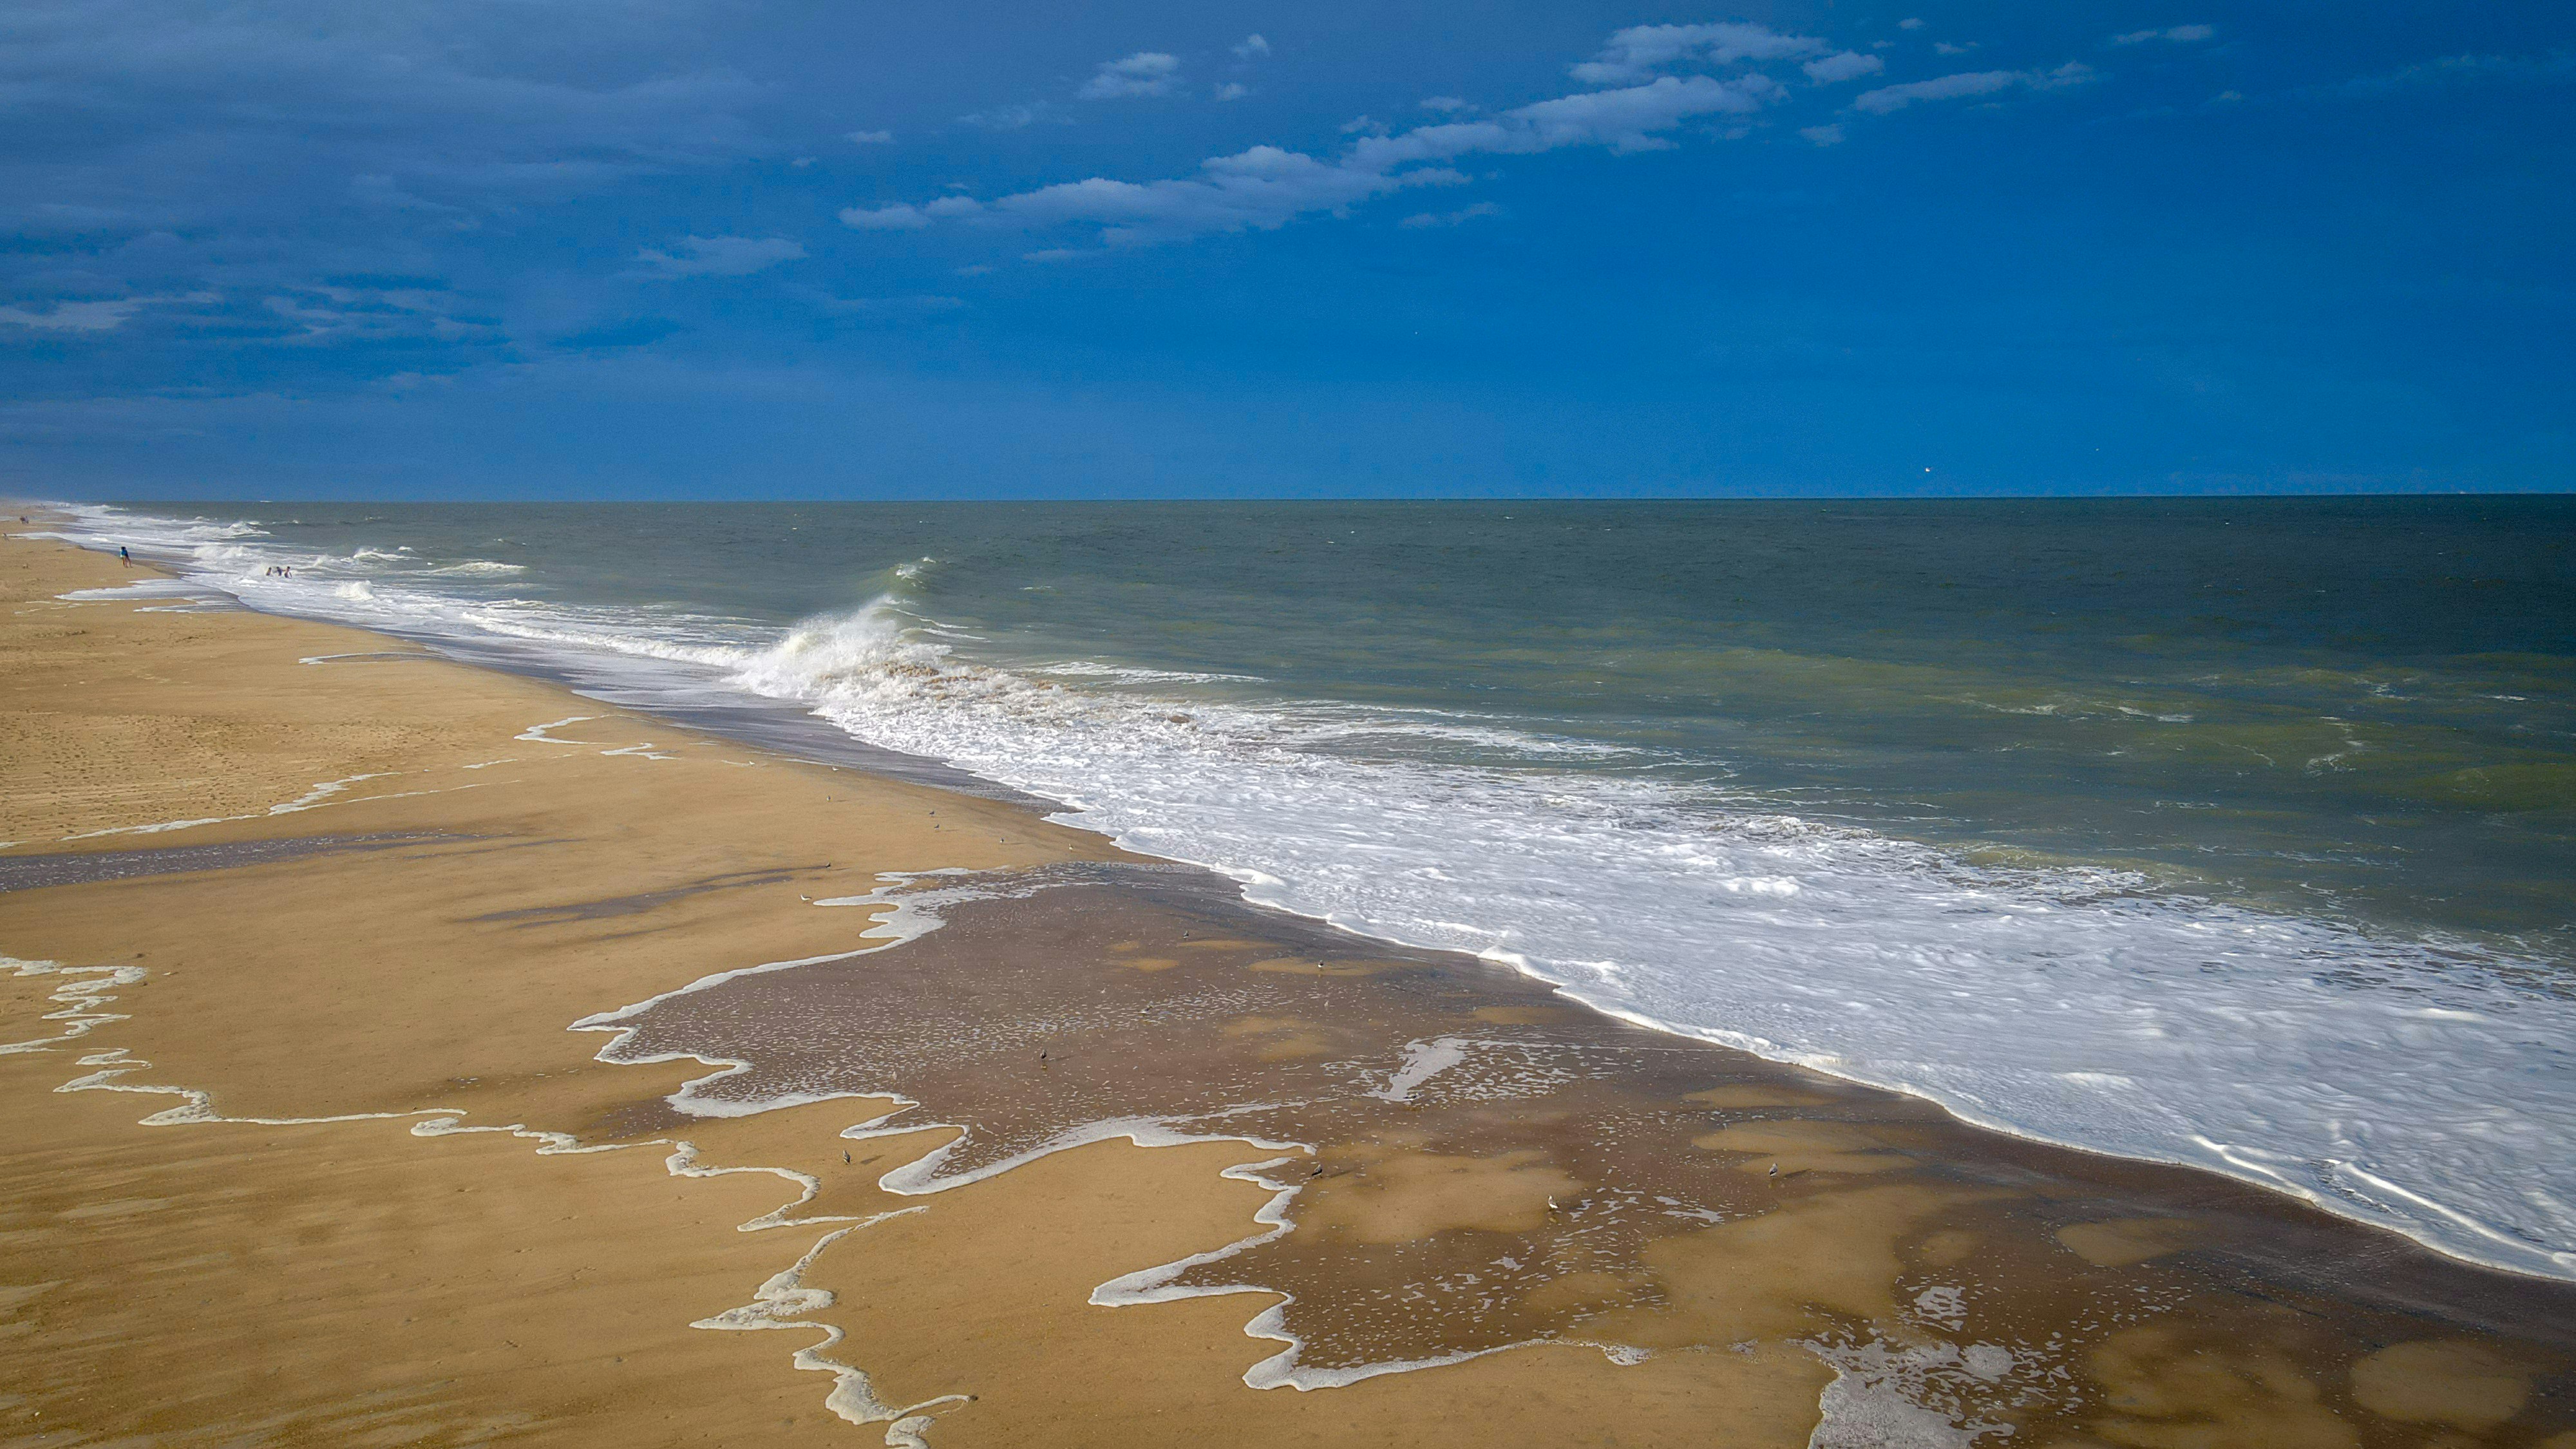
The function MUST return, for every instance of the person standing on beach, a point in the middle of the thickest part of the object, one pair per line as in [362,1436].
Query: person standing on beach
[123,557]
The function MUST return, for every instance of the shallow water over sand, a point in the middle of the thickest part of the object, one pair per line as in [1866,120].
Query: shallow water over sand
[1466,1163]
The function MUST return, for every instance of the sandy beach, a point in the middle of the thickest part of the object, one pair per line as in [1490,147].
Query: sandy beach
[304,1147]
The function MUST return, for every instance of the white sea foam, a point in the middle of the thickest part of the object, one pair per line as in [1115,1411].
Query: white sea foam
[2390,1081]
[140,589]
[2071,1006]
[1423,1060]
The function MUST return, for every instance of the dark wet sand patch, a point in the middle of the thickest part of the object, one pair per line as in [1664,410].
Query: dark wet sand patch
[37,872]
[1476,1165]
[643,901]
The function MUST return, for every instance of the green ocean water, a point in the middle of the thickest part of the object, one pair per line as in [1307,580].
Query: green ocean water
[2364,707]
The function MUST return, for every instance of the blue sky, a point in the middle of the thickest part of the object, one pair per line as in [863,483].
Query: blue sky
[505,248]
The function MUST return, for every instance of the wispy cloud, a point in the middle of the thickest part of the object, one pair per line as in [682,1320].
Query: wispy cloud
[74,316]
[2557,66]
[872,138]
[1423,220]
[1641,51]
[1267,186]
[716,256]
[330,315]
[888,309]
[1250,46]
[1823,135]
[97,315]
[1970,83]
[1146,73]
[1232,91]
[2180,34]
[902,216]
[1015,118]
[1842,66]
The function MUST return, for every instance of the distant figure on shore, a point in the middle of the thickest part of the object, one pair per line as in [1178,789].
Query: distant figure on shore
[123,557]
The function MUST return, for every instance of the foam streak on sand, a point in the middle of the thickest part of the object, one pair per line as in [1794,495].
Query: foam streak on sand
[324,792]
[84,990]
[784,1300]
[781,1302]
[1280,1370]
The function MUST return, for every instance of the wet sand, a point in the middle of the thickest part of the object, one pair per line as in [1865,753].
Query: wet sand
[1429,1158]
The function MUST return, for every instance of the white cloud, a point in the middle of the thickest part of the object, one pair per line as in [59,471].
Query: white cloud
[1626,119]
[74,316]
[872,138]
[1640,51]
[1909,24]
[1969,83]
[717,256]
[1943,47]
[1267,187]
[1230,91]
[898,217]
[1146,73]
[887,307]
[1260,189]
[1425,219]
[1012,118]
[331,314]
[1252,45]
[2180,34]
[1823,135]
[1949,87]
[1842,66]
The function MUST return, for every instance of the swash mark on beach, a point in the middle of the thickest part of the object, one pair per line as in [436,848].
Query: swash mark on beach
[1281,1370]
[644,750]
[320,795]
[779,1302]
[325,790]
[84,990]
[536,734]
[784,1300]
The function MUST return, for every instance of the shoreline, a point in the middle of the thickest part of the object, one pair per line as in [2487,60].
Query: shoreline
[786,726]
[2412,1184]
[1862,1148]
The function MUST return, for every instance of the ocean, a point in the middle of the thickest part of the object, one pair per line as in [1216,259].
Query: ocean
[2238,834]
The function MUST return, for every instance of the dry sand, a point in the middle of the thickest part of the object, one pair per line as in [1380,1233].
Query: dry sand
[187,1257]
